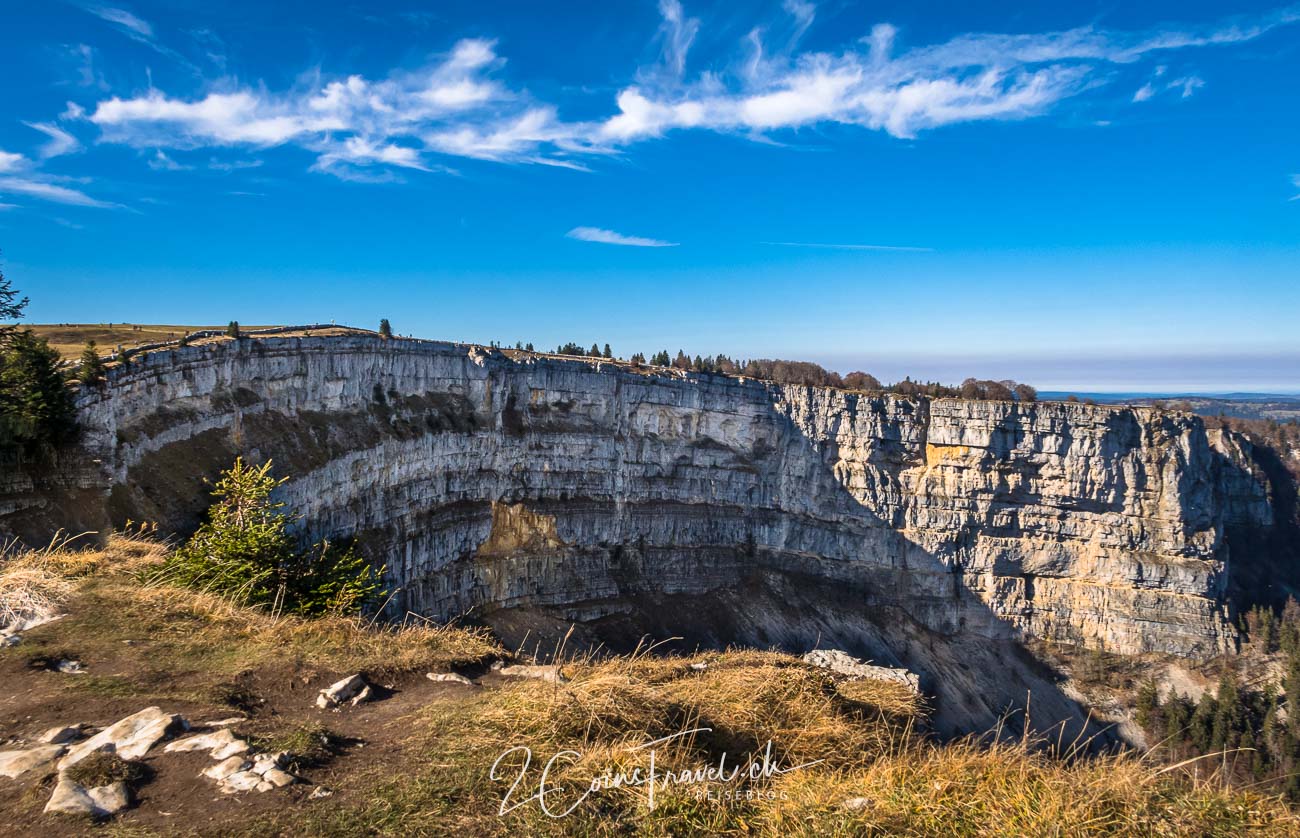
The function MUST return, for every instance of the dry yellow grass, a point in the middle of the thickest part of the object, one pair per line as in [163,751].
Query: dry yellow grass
[35,583]
[865,768]
[68,339]
[200,631]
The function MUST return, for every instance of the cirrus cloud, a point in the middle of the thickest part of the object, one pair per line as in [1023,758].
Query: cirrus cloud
[601,236]
[458,105]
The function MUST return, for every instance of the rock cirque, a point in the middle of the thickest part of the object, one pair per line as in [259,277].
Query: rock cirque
[533,492]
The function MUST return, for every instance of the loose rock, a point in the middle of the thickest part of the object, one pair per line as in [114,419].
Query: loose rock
[544,673]
[219,744]
[14,763]
[101,801]
[227,768]
[340,691]
[845,664]
[279,778]
[450,678]
[240,781]
[60,735]
[129,738]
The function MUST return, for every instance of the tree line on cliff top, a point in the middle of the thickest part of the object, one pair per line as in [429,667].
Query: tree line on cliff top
[808,374]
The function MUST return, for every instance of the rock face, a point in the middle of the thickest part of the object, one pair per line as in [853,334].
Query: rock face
[535,491]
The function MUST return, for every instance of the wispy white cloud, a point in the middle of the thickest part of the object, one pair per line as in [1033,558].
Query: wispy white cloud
[893,247]
[8,207]
[457,105]
[803,13]
[60,142]
[122,18]
[47,191]
[160,162]
[10,162]
[1188,85]
[138,30]
[87,74]
[678,33]
[1295,181]
[596,234]
[232,165]
[19,176]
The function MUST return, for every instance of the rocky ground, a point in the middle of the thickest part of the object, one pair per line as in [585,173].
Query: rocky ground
[142,710]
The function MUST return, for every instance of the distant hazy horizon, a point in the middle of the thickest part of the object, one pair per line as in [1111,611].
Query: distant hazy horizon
[1156,375]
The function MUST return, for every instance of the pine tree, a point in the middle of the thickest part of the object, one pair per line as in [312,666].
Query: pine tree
[385,330]
[608,352]
[244,550]
[232,330]
[1178,718]
[36,408]
[1228,714]
[1201,732]
[1292,692]
[595,351]
[1148,704]
[11,308]
[92,367]
[1288,634]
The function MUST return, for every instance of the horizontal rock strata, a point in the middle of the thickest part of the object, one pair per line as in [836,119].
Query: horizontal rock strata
[488,483]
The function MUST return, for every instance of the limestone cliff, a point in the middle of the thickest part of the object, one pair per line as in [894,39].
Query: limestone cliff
[633,500]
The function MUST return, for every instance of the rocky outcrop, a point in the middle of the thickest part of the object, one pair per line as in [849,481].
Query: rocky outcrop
[522,490]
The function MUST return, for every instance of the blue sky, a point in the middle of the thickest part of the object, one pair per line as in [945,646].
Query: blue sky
[1082,195]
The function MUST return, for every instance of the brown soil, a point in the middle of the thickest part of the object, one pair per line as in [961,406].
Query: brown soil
[122,678]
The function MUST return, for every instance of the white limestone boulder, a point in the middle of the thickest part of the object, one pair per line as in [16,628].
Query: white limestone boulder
[31,760]
[341,691]
[842,663]
[130,738]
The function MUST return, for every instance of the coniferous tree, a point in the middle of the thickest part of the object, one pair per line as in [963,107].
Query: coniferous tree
[36,407]
[1292,691]
[1288,634]
[608,353]
[1228,714]
[1201,731]
[1148,704]
[92,368]
[385,330]
[11,308]
[232,330]
[1178,718]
